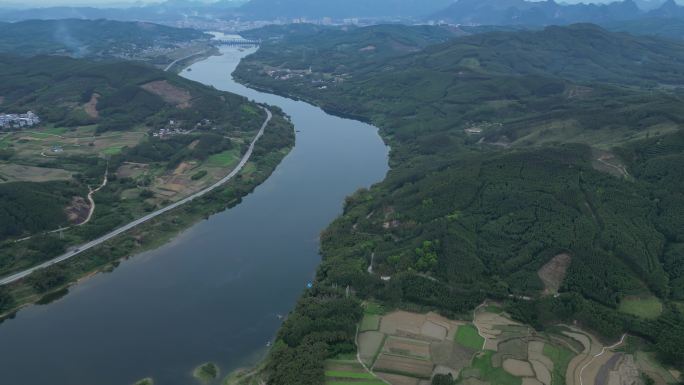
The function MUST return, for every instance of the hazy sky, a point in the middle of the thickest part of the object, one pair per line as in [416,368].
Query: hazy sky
[120,2]
[103,2]
[77,2]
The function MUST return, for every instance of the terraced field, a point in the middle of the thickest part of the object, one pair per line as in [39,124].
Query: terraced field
[348,372]
[404,348]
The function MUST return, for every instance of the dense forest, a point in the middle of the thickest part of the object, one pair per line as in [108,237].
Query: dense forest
[509,149]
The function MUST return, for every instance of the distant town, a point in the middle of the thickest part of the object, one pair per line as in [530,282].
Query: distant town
[14,121]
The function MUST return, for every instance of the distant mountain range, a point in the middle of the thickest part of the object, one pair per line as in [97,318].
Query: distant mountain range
[464,12]
[272,9]
[167,11]
[522,12]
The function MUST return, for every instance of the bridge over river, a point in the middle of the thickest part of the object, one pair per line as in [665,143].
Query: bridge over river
[237,41]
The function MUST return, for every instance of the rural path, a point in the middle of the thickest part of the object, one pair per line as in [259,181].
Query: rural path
[619,168]
[80,249]
[602,352]
[92,201]
[358,357]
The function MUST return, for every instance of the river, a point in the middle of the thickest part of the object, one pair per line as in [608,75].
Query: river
[215,292]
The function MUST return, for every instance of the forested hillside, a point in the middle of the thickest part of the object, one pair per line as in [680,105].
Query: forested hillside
[512,152]
[155,136]
[127,94]
[90,38]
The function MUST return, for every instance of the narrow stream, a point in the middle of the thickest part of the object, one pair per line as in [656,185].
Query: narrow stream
[215,292]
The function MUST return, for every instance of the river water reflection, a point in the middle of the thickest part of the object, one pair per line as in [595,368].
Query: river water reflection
[214,293]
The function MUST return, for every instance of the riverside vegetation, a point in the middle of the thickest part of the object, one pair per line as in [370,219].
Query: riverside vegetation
[514,154]
[106,119]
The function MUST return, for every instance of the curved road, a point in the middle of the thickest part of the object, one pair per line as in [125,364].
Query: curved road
[123,229]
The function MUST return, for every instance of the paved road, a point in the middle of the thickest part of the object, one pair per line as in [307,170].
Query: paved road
[80,249]
[168,67]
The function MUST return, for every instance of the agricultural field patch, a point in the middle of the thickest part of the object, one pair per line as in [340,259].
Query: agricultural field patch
[397,379]
[553,273]
[370,322]
[171,94]
[411,367]
[518,368]
[369,345]
[643,307]
[561,357]
[224,159]
[370,307]
[339,372]
[487,372]
[468,336]
[407,347]
[410,347]
[22,173]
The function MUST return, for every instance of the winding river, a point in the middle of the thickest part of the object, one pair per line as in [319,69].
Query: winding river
[215,292]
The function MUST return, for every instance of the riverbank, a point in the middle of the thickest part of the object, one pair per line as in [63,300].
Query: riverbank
[215,293]
[44,283]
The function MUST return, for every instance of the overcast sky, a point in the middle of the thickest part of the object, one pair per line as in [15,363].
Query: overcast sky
[119,2]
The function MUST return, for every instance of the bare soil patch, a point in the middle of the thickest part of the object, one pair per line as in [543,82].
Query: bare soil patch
[553,273]
[396,379]
[578,92]
[531,381]
[369,345]
[91,107]
[169,93]
[21,173]
[518,368]
[450,354]
[78,210]
[131,170]
[182,168]
[402,321]
[405,347]
[433,330]
[542,371]
[607,162]
[397,364]
[605,370]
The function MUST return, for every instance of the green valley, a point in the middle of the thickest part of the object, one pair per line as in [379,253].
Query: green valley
[540,169]
[116,142]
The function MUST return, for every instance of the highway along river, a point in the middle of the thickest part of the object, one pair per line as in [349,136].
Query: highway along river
[215,292]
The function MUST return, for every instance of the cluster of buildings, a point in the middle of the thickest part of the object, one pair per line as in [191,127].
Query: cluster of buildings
[175,127]
[29,119]
[237,24]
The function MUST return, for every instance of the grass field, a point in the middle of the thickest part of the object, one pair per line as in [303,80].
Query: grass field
[561,358]
[370,322]
[347,374]
[467,335]
[223,159]
[113,150]
[206,372]
[494,309]
[375,382]
[648,308]
[373,308]
[488,373]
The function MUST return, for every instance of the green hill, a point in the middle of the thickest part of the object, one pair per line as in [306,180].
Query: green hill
[89,38]
[154,134]
[509,149]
